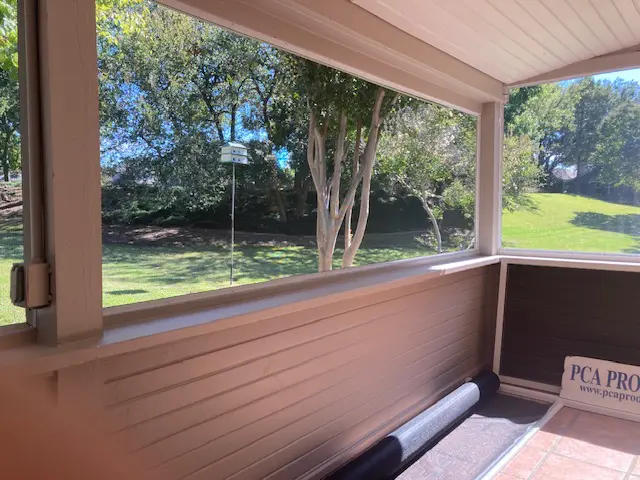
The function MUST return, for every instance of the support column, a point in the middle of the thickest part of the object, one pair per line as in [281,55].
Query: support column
[71,160]
[489,178]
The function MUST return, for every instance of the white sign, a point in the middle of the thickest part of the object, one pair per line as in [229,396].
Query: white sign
[611,385]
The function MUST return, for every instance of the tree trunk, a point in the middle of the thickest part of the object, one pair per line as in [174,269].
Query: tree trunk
[363,216]
[234,110]
[219,129]
[332,212]
[324,260]
[579,177]
[5,158]
[354,171]
[301,199]
[434,222]
[366,170]
[279,201]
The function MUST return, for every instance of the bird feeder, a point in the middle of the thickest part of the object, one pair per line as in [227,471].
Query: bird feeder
[235,154]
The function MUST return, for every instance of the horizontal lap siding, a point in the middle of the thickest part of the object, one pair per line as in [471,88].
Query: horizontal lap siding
[296,395]
[551,313]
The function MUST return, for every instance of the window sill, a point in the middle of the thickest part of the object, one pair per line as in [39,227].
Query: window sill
[154,323]
[624,263]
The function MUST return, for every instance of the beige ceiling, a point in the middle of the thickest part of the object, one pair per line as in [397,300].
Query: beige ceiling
[512,40]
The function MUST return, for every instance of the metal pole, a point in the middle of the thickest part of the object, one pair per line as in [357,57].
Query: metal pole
[233,218]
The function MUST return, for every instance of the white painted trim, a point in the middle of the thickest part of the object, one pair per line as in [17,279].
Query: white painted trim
[436,264]
[342,35]
[529,393]
[497,345]
[611,62]
[519,382]
[150,327]
[553,259]
[488,178]
[495,470]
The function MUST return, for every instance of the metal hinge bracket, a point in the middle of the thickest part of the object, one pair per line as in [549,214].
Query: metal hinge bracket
[30,285]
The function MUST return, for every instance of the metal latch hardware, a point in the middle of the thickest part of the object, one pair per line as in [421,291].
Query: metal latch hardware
[30,285]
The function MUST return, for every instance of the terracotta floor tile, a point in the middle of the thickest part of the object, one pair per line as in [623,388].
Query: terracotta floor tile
[556,467]
[561,420]
[524,462]
[607,431]
[636,468]
[504,476]
[543,440]
[591,448]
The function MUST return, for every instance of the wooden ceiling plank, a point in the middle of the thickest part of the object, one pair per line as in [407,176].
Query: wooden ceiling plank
[556,28]
[488,13]
[518,62]
[527,23]
[598,27]
[610,15]
[565,14]
[511,11]
[438,27]
[631,17]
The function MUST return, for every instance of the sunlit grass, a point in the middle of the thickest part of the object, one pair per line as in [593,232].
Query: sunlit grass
[569,222]
[135,273]
[139,273]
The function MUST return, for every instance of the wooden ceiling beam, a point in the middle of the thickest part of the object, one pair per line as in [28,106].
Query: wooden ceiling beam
[342,35]
[625,59]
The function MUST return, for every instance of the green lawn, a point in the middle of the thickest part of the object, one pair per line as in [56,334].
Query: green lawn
[134,273]
[573,223]
[138,273]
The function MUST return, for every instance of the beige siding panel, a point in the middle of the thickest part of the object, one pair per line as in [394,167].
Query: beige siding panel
[372,428]
[331,379]
[131,364]
[273,368]
[297,395]
[224,359]
[296,383]
[314,428]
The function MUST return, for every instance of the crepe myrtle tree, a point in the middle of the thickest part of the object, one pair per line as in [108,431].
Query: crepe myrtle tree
[345,120]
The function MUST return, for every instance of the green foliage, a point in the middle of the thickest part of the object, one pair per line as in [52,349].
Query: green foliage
[9,94]
[9,37]
[585,125]
[520,173]
[617,154]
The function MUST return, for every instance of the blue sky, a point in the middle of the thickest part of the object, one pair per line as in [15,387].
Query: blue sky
[625,75]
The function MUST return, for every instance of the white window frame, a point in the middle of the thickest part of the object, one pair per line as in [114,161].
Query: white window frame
[72,226]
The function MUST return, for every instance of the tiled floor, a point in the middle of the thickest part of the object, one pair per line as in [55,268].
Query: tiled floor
[579,445]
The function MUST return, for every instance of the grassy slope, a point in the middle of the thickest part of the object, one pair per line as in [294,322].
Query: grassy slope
[573,223]
[138,273]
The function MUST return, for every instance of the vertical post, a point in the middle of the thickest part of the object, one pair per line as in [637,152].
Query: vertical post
[71,160]
[32,168]
[233,218]
[489,178]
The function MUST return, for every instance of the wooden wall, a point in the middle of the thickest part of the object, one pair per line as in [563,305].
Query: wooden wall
[554,312]
[294,396]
